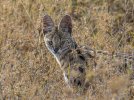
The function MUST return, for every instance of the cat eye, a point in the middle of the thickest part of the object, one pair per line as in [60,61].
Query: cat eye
[50,42]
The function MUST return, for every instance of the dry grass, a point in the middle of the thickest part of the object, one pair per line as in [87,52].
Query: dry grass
[29,71]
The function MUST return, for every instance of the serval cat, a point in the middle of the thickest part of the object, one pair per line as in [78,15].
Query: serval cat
[74,60]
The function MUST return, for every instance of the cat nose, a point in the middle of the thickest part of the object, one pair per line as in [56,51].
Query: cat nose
[56,50]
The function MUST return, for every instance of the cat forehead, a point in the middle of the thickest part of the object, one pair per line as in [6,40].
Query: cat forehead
[55,32]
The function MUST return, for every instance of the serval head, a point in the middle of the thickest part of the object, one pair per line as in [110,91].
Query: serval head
[71,58]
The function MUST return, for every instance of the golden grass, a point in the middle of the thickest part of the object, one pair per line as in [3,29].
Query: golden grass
[29,71]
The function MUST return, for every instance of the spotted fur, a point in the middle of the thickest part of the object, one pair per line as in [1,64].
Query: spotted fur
[75,60]
[71,57]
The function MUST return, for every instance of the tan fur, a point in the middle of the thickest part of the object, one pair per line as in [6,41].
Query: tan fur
[75,61]
[71,57]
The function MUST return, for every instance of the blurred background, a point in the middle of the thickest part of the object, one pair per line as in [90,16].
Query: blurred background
[27,70]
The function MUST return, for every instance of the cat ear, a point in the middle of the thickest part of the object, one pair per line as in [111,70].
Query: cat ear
[66,24]
[48,24]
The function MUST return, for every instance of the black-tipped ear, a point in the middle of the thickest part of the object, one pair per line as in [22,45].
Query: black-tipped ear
[66,24]
[48,24]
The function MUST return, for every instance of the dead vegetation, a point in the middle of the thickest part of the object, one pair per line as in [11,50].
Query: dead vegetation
[28,70]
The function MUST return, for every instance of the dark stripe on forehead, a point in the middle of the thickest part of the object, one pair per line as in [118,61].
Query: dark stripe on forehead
[55,32]
[56,28]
